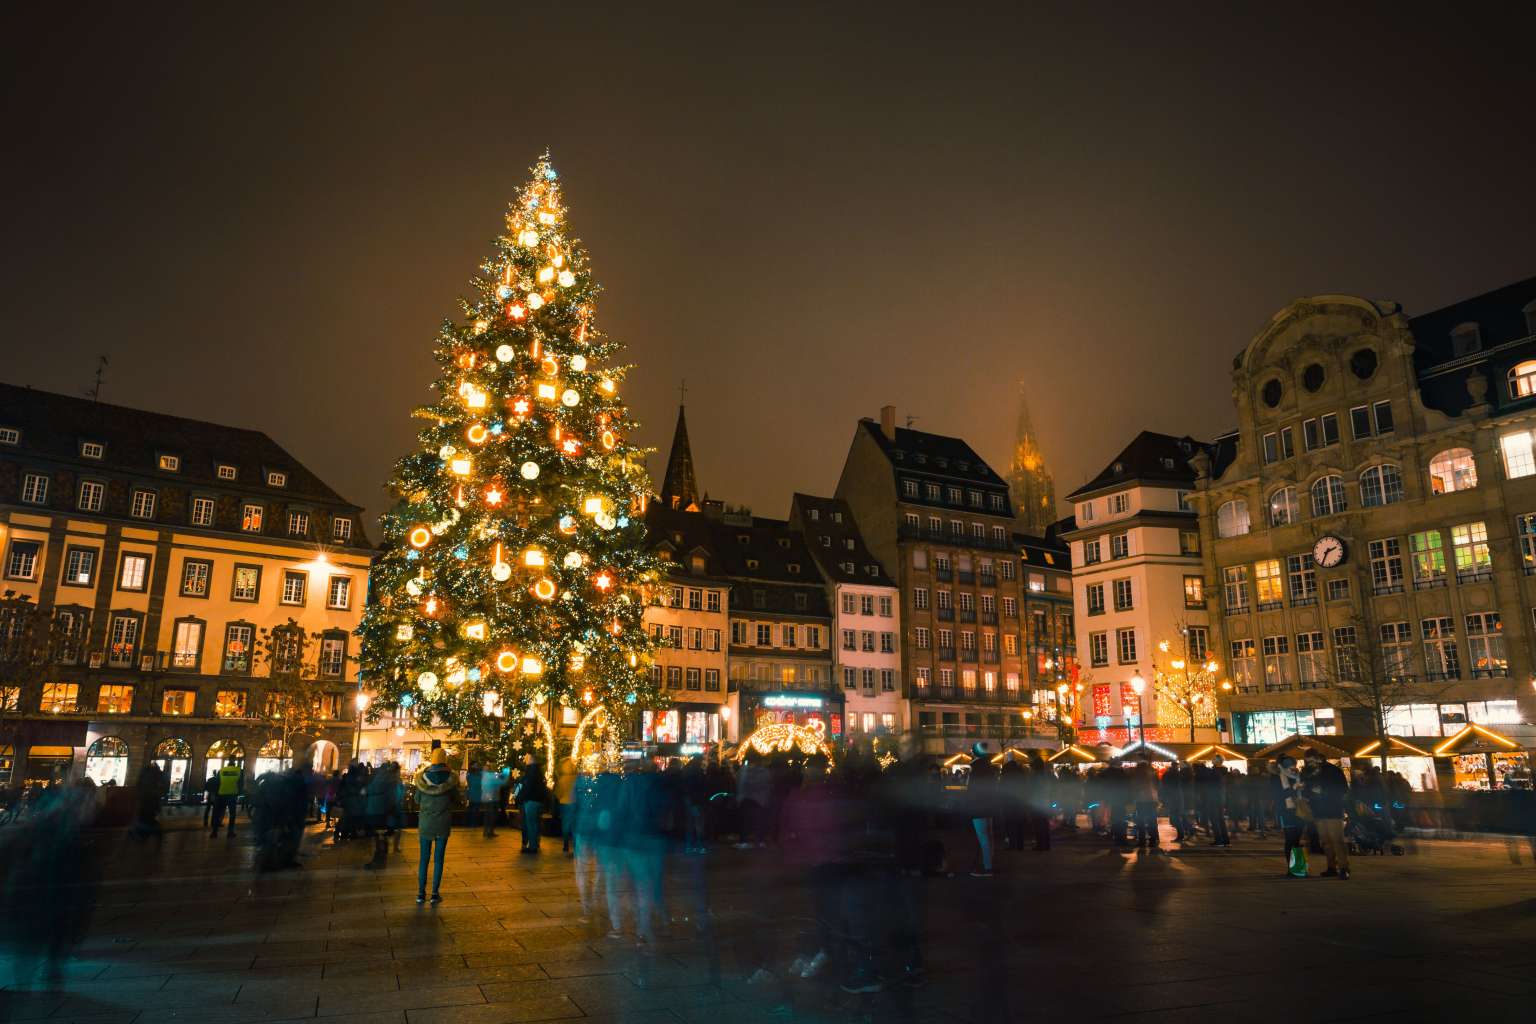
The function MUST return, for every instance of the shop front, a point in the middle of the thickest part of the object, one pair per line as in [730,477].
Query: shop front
[794,708]
[682,730]
[1478,758]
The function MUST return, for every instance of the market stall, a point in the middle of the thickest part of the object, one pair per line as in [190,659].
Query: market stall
[1409,756]
[1479,758]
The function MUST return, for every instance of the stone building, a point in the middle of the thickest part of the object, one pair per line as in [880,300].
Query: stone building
[1138,584]
[939,518]
[1374,515]
[866,630]
[690,620]
[155,551]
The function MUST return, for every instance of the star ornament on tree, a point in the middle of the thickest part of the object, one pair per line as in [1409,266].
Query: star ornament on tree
[485,585]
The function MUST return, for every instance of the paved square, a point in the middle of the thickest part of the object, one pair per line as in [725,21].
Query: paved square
[188,932]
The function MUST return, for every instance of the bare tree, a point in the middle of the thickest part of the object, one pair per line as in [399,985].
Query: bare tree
[27,647]
[1185,680]
[294,703]
[1372,676]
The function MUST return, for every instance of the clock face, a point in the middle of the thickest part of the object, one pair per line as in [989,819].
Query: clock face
[1328,551]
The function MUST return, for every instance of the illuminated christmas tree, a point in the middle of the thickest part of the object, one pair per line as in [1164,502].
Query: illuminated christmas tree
[514,565]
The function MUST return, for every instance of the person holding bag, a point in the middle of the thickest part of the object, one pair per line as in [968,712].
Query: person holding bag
[1292,810]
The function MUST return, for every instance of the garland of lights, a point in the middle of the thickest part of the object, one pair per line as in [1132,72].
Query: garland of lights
[786,737]
[514,569]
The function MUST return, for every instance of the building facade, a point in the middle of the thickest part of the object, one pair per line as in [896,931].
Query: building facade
[690,621]
[157,552]
[1138,586]
[1049,634]
[866,629]
[939,517]
[1374,515]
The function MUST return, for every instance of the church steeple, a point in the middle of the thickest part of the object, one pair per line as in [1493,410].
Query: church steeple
[1034,492]
[680,487]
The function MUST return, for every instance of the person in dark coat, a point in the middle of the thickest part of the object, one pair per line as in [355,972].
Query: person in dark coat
[152,787]
[532,795]
[1211,791]
[380,799]
[436,787]
[1327,791]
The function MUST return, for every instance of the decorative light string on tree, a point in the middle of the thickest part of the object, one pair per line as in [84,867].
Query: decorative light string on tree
[515,563]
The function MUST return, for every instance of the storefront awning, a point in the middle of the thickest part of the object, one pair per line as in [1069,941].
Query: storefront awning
[1338,747]
[1476,739]
[1074,753]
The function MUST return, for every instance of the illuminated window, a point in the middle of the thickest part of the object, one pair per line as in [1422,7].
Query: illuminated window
[1455,469]
[226,472]
[114,699]
[1469,544]
[187,648]
[298,524]
[1519,459]
[229,704]
[1232,518]
[34,489]
[60,698]
[294,583]
[178,702]
[275,478]
[1284,508]
[91,495]
[202,512]
[170,463]
[1266,579]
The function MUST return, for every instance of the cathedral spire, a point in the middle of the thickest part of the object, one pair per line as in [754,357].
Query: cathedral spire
[680,487]
[1034,492]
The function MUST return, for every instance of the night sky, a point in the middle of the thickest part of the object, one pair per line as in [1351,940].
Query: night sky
[261,217]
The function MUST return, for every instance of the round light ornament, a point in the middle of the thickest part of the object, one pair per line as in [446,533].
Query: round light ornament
[427,681]
[546,275]
[544,589]
[530,471]
[420,537]
[504,292]
[578,362]
[446,452]
[535,300]
[605,520]
[505,353]
[501,572]
[570,399]
[574,560]
[566,279]
[528,238]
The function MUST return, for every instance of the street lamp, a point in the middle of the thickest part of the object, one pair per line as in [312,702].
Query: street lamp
[357,736]
[1139,684]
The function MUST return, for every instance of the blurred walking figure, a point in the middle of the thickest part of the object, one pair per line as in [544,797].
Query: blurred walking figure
[210,797]
[981,794]
[1042,797]
[47,886]
[435,787]
[1211,790]
[532,795]
[231,785]
[152,788]
[1144,796]
[641,841]
[1285,785]
[753,786]
[565,798]
[381,796]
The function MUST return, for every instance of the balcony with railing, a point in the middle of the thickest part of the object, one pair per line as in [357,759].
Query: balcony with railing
[987,579]
[944,653]
[944,575]
[1270,606]
[1433,582]
[989,618]
[967,615]
[945,614]
[967,576]
[1304,601]
[1481,574]
[968,654]
[1383,589]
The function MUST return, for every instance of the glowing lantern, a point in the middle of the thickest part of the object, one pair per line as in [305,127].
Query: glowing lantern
[492,496]
[535,300]
[592,506]
[533,558]
[474,630]
[602,581]
[546,217]
[501,572]
[515,311]
[427,681]
[532,666]
[521,407]
[461,465]
[477,433]
[506,661]
[567,278]
[570,446]
[546,392]
[567,524]
[504,353]
[481,326]
[420,537]
[404,631]
[573,560]
[544,589]
[429,607]
[546,275]
[570,398]
[608,385]
[578,362]
[550,365]
[609,440]
[528,238]
[530,471]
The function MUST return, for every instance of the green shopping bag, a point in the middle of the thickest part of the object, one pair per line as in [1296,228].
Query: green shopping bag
[1299,861]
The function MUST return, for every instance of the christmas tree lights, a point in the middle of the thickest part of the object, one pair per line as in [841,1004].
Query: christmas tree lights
[514,570]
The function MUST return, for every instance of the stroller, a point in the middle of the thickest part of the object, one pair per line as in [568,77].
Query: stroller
[1370,832]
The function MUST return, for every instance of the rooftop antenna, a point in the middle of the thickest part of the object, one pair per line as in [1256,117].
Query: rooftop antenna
[94,391]
[910,420]
[682,392]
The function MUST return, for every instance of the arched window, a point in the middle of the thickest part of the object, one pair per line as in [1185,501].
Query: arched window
[106,761]
[1380,485]
[1452,470]
[1328,496]
[1522,379]
[273,757]
[1232,518]
[173,756]
[1284,507]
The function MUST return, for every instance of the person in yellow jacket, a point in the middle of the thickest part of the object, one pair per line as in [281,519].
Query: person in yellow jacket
[565,795]
[231,784]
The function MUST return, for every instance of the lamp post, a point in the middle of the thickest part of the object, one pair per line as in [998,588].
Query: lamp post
[1139,684]
[357,735]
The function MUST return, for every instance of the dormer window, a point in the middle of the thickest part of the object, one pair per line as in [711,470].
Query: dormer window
[873,570]
[898,456]
[1466,339]
[277,478]
[341,529]
[814,515]
[10,435]
[1167,463]
[698,564]
[826,541]
[837,517]
[1522,379]
[170,463]
[224,471]
[92,450]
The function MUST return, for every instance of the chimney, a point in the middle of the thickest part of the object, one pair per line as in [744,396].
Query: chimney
[888,421]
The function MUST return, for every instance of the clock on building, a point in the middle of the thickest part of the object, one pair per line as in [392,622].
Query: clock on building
[1328,551]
